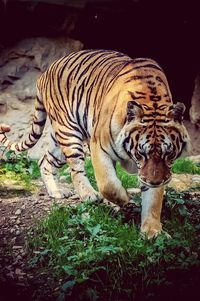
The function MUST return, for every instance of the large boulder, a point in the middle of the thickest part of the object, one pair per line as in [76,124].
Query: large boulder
[20,66]
[195,103]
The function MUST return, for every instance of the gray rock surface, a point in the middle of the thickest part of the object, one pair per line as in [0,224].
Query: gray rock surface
[195,103]
[20,66]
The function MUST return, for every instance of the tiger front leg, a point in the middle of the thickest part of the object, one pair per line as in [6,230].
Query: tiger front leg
[108,183]
[152,199]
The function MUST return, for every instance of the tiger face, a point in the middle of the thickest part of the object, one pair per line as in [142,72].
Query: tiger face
[155,141]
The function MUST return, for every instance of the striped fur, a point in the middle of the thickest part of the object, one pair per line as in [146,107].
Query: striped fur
[123,108]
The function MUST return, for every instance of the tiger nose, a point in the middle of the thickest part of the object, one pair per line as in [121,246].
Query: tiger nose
[156,182]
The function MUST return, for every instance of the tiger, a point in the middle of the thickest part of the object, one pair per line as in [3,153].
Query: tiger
[122,107]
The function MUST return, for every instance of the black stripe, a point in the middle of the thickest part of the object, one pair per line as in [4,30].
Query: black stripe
[138,77]
[148,66]
[40,123]
[141,93]
[68,135]
[60,162]
[4,140]
[74,156]
[144,188]
[78,171]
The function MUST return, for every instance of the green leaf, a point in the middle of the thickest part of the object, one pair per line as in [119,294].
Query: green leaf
[69,270]
[108,249]
[68,286]
[182,210]
[180,201]
[45,252]
[94,230]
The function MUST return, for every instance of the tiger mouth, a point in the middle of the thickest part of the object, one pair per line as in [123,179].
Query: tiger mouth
[164,182]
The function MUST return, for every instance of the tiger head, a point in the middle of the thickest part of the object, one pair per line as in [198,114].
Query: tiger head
[154,138]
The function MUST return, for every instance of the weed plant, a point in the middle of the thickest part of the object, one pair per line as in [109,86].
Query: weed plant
[101,258]
[185,165]
[19,167]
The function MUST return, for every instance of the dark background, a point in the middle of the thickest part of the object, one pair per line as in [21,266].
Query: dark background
[165,30]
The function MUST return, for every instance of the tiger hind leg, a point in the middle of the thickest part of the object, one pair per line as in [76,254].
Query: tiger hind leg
[80,181]
[49,164]
[72,148]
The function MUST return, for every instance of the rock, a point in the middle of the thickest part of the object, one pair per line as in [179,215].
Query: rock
[17,247]
[13,240]
[20,66]
[35,202]
[182,182]
[18,222]
[196,179]
[19,257]
[195,159]
[13,217]
[195,103]
[3,106]
[25,87]
[10,274]
[18,212]
[19,272]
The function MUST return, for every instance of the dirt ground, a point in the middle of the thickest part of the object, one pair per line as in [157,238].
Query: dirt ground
[17,215]
[19,210]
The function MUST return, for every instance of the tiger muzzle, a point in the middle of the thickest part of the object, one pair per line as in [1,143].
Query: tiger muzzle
[155,172]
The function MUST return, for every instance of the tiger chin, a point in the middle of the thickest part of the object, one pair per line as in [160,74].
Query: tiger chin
[123,108]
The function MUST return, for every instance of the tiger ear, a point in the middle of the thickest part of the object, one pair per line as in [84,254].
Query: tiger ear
[134,110]
[177,112]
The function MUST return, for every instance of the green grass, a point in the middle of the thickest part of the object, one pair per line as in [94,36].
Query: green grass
[93,251]
[184,165]
[19,168]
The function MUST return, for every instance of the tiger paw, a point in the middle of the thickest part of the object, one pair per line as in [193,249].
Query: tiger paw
[93,197]
[88,194]
[60,194]
[151,230]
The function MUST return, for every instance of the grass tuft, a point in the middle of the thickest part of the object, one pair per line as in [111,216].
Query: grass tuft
[20,168]
[185,165]
[90,249]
